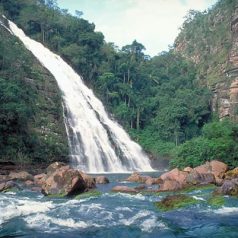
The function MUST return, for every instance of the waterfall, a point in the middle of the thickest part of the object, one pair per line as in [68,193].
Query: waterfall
[97,143]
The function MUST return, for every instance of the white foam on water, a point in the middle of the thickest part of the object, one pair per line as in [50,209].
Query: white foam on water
[151,223]
[138,196]
[125,182]
[132,220]
[88,208]
[199,198]
[43,221]
[10,193]
[23,208]
[125,209]
[226,210]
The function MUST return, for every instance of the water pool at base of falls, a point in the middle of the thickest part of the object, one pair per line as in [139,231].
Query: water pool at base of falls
[30,214]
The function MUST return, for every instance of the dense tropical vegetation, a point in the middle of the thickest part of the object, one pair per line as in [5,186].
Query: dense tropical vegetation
[161,101]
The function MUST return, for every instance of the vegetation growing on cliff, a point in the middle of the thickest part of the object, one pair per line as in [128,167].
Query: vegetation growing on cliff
[206,39]
[31,123]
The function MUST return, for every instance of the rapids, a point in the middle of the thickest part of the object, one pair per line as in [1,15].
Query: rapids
[30,214]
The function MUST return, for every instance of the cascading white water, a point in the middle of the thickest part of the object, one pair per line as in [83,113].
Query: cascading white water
[97,143]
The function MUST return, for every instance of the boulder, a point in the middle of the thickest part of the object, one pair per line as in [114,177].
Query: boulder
[102,180]
[64,181]
[29,183]
[174,174]
[89,181]
[40,178]
[55,166]
[4,178]
[203,169]
[140,187]
[219,181]
[229,187]
[218,168]
[231,174]
[215,167]
[173,180]
[170,185]
[187,169]
[36,189]
[124,189]
[4,186]
[137,178]
[150,181]
[196,178]
[22,176]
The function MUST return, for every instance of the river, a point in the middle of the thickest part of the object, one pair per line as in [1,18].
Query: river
[30,214]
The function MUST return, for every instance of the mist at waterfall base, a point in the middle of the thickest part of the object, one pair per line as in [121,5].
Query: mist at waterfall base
[97,143]
[30,214]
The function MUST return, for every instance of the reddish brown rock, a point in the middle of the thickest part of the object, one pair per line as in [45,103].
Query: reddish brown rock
[40,178]
[173,180]
[150,181]
[175,175]
[55,166]
[140,187]
[29,183]
[219,181]
[89,181]
[215,167]
[218,169]
[196,178]
[102,180]
[64,181]
[4,178]
[137,178]
[170,185]
[124,189]
[187,169]
[203,169]
[36,189]
[22,176]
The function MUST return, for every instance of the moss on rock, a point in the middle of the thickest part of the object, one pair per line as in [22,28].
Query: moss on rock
[175,202]
[92,193]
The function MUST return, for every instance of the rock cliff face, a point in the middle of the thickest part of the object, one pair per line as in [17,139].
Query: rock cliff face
[210,40]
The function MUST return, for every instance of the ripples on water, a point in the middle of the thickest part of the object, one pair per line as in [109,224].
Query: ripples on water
[30,214]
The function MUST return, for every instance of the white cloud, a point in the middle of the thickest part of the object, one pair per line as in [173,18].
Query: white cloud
[154,23]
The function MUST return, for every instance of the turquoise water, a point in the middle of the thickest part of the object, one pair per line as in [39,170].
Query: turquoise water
[30,214]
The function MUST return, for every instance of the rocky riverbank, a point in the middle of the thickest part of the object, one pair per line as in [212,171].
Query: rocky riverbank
[59,179]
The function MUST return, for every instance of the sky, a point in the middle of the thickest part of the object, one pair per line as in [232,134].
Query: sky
[154,23]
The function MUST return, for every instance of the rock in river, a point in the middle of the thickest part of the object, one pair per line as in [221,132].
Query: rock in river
[64,181]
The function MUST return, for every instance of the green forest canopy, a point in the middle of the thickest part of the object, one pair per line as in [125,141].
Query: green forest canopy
[160,100]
